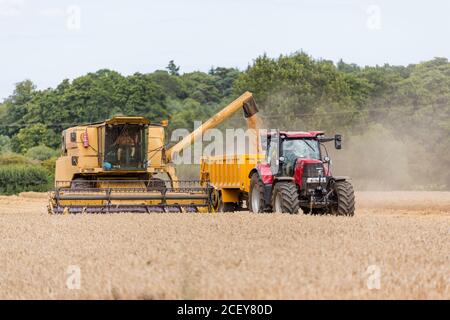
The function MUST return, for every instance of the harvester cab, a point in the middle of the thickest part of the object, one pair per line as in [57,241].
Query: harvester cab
[297,175]
[125,147]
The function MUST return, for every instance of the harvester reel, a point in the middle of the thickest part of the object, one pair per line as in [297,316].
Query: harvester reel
[133,196]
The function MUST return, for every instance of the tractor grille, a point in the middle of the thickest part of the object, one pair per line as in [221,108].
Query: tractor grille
[312,170]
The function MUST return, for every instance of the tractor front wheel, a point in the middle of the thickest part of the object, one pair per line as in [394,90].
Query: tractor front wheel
[285,198]
[344,198]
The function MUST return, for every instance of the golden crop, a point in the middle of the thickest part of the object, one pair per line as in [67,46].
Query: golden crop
[403,235]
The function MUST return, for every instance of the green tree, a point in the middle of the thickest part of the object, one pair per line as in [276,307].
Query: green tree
[16,107]
[297,91]
[41,153]
[34,135]
[173,68]
[5,144]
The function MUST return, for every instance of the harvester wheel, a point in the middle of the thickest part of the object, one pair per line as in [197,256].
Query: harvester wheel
[344,195]
[256,202]
[215,200]
[285,198]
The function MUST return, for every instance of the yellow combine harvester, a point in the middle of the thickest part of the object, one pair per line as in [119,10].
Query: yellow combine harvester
[122,165]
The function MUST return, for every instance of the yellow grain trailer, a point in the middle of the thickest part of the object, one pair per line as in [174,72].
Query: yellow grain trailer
[229,176]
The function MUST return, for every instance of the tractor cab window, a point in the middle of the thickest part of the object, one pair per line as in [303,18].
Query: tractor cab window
[294,149]
[125,147]
[301,148]
[273,156]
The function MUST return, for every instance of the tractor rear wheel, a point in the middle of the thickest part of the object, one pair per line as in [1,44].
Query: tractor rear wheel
[285,198]
[256,202]
[344,196]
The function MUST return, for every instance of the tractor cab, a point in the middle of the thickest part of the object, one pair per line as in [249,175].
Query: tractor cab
[285,150]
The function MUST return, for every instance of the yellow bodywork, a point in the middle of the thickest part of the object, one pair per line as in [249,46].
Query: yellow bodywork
[78,159]
[229,174]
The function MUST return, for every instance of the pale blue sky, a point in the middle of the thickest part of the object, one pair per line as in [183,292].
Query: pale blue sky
[48,41]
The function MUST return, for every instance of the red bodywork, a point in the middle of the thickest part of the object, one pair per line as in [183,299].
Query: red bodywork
[298,171]
[264,168]
[299,134]
[265,173]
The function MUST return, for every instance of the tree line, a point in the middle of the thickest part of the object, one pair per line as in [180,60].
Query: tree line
[401,110]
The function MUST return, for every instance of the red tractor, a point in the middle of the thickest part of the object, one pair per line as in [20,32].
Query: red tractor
[297,175]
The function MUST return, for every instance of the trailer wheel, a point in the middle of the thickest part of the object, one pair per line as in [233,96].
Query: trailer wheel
[285,198]
[344,196]
[227,206]
[218,205]
[256,202]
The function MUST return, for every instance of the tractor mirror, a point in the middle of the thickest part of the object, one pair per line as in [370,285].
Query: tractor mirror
[338,141]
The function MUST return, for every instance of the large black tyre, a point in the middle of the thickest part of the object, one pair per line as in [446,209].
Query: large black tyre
[256,201]
[285,198]
[344,195]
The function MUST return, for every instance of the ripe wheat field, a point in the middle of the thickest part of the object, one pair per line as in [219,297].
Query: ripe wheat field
[397,246]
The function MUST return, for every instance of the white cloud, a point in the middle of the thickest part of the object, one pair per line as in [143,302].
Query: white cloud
[52,12]
[11,8]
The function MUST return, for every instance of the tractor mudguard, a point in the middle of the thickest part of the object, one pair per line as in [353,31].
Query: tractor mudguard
[340,178]
[264,173]
[252,172]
